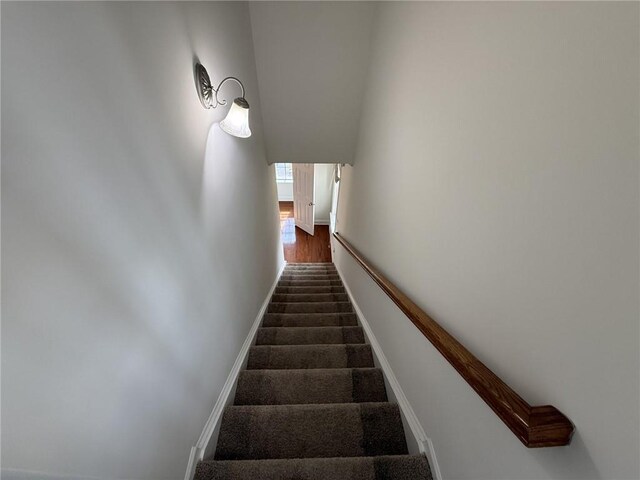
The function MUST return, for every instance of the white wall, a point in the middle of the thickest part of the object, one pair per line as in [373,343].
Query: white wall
[285,191]
[138,243]
[496,183]
[322,179]
[312,61]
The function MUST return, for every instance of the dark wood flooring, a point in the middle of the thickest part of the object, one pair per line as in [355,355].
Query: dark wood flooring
[298,245]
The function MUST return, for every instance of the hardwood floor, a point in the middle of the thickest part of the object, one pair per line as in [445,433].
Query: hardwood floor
[298,245]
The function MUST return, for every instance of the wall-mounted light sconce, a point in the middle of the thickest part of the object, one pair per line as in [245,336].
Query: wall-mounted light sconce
[236,122]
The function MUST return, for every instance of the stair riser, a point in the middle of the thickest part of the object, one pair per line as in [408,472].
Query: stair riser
[309,297]
[309,283]
[310,264]
[315,307]
[310,320]
[306,276]
[311,290]
[314,386]
[310,269]
[283,357]
[307,271]
[309,274]
[310,431]
[309,336]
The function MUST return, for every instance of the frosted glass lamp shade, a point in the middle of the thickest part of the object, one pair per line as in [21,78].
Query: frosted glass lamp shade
[237,121]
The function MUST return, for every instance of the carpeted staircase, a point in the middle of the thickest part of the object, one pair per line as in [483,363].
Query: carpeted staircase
[311,405]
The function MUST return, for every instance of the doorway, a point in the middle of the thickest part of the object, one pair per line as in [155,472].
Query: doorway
[305,201]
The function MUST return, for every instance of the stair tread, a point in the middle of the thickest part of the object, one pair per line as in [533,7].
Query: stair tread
[308,386]
[309,335]
[310,431]
[309,271]
[311,289]
[309,297]
[306,276]
[309,356]
[309,319]
[309,307]
[302,283]
[310,263]
[306,273]
[315,303]
[388,467]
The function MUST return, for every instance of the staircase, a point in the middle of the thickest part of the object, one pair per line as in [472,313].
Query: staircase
[311,405]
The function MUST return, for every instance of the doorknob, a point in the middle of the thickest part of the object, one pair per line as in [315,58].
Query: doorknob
[311,204]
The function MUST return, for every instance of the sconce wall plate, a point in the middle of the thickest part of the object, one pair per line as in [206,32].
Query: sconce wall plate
[205,89]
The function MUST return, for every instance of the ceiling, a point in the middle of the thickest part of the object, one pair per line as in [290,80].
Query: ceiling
[312,60]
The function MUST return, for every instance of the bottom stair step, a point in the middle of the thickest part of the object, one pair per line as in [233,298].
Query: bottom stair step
[310,431]
[397,467]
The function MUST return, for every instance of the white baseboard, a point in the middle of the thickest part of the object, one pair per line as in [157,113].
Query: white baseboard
[433,461]
[194,458]
[321,222]
[16,474]
[423,443]
[226,395]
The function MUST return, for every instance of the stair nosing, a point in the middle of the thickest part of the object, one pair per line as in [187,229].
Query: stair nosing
[351,405]
[323,326]
[300,371]
[309,313]
[308,303]
[315,345]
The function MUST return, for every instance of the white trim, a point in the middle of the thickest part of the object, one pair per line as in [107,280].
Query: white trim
[17,474]
[194,457]
[225,397]
[424,443]
[433,461]
[321,222]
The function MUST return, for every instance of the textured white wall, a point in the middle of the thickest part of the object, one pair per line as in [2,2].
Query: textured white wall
[496,182]
[138,240]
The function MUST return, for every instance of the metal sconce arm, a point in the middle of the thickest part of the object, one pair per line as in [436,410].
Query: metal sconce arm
[216,90]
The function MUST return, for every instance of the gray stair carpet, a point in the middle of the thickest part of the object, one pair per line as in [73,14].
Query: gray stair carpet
[310,404]
[309,335]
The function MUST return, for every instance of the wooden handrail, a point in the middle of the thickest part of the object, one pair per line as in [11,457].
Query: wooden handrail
[535,426]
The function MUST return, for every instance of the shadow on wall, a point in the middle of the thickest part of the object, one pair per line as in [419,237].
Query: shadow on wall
[572,462]
[220,174]
[229,219]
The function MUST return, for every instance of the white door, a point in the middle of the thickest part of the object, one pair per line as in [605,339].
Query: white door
[335,194]
[303,201]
